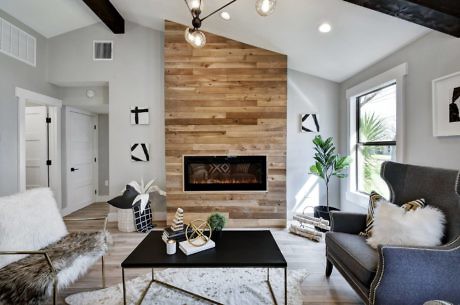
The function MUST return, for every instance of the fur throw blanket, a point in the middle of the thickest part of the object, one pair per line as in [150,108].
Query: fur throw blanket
[29,281]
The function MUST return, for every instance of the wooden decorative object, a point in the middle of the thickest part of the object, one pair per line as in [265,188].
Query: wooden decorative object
[178,221]
[200,232]
[228,98]
[309,233]
[309,220]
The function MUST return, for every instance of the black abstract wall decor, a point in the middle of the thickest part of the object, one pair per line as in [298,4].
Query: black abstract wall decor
[139,115]
[140,152]
[454,115]
[446,106]
[309,123]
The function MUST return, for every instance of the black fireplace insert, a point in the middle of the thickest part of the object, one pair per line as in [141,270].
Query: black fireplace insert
[225,173]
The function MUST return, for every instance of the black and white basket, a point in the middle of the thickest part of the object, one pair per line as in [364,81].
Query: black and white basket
[143,220]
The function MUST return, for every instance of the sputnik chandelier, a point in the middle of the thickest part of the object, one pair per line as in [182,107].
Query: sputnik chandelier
[196,38]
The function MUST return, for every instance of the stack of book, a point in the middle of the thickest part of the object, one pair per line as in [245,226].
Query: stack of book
[190,249]
[169,233]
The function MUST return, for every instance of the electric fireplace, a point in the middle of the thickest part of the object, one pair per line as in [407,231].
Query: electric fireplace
[225,173]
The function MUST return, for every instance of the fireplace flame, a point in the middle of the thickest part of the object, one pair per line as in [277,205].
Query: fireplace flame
[226,181]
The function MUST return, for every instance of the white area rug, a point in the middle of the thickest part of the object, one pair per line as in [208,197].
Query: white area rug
[228,286]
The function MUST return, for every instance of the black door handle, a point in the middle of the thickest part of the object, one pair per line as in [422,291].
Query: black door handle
[72,169]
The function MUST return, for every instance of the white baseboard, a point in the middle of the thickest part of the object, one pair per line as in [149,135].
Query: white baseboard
[68,210]
[103,198]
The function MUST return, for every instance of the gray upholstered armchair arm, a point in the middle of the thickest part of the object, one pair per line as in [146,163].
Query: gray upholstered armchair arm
[351,223]
[417,275]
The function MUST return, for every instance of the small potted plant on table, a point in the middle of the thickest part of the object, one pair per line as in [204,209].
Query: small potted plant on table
[217,222]
[328,164]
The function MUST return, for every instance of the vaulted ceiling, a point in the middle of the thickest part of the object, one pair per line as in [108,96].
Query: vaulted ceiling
[360,37]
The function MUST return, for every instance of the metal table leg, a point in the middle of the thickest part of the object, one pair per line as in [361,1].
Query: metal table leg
[272,293]
[285,286]
[124,285]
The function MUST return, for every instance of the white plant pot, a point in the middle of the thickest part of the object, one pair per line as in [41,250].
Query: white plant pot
[126,220]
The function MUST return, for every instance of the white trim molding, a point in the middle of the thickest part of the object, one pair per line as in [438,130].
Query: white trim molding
[397,74]
[24,97]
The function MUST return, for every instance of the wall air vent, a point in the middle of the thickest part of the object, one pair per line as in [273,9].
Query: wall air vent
[16,43]
[103,50]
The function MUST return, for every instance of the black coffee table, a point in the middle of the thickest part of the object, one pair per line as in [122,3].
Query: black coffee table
[234,249]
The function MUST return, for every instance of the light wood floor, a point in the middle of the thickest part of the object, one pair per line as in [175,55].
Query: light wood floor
[299,252]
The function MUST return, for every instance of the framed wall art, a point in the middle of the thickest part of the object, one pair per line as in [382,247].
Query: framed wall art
[309,123]
[139,115]
[446,105]
[140,152]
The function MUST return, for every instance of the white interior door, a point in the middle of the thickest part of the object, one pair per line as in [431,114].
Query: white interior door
[36,135]
[81,154]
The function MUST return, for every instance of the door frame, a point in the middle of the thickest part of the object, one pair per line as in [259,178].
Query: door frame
[68,209]
[54,105]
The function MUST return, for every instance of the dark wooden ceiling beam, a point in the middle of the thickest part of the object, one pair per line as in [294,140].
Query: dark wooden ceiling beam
[439,15]
[108,14]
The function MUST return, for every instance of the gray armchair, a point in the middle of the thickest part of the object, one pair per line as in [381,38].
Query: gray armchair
[393,275]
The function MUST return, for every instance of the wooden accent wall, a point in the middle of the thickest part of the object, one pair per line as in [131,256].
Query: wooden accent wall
[228,98]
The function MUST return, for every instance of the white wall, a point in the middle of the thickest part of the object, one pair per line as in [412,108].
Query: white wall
[14,73]
[76,96]
[135,78]
[309,94]
[428,58]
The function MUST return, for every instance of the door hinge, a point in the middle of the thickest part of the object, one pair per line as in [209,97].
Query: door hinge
[48,120]
[94,127]
[95,192]
[49,163]
[95,160]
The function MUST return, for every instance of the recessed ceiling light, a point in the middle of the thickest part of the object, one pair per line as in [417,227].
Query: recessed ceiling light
[225,15]
[325,28]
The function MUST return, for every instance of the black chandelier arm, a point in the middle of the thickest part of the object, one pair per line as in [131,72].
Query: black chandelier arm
[219,9]
[189,9]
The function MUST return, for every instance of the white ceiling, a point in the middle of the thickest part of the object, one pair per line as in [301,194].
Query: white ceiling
[50,17]
[360,37]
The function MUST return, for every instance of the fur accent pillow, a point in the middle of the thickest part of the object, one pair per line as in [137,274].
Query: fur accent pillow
[374,200]
[29,221]
[395,226]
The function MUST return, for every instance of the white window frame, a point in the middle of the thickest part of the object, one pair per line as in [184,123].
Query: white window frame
[395,75]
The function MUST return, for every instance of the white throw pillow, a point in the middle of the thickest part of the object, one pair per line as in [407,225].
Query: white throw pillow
[29,221]
[395,226]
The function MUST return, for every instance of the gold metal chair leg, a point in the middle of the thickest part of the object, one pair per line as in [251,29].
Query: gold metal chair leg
[55,291]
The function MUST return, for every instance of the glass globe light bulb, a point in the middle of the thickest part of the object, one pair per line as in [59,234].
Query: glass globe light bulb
[199,39]
[265,7]
[188,35]
[195,38]
[195,4]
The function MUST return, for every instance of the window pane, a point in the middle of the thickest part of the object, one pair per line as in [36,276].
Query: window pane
[377,115]
[369,161]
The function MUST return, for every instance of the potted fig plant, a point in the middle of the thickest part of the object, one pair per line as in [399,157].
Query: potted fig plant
[217,222]
[328,164]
